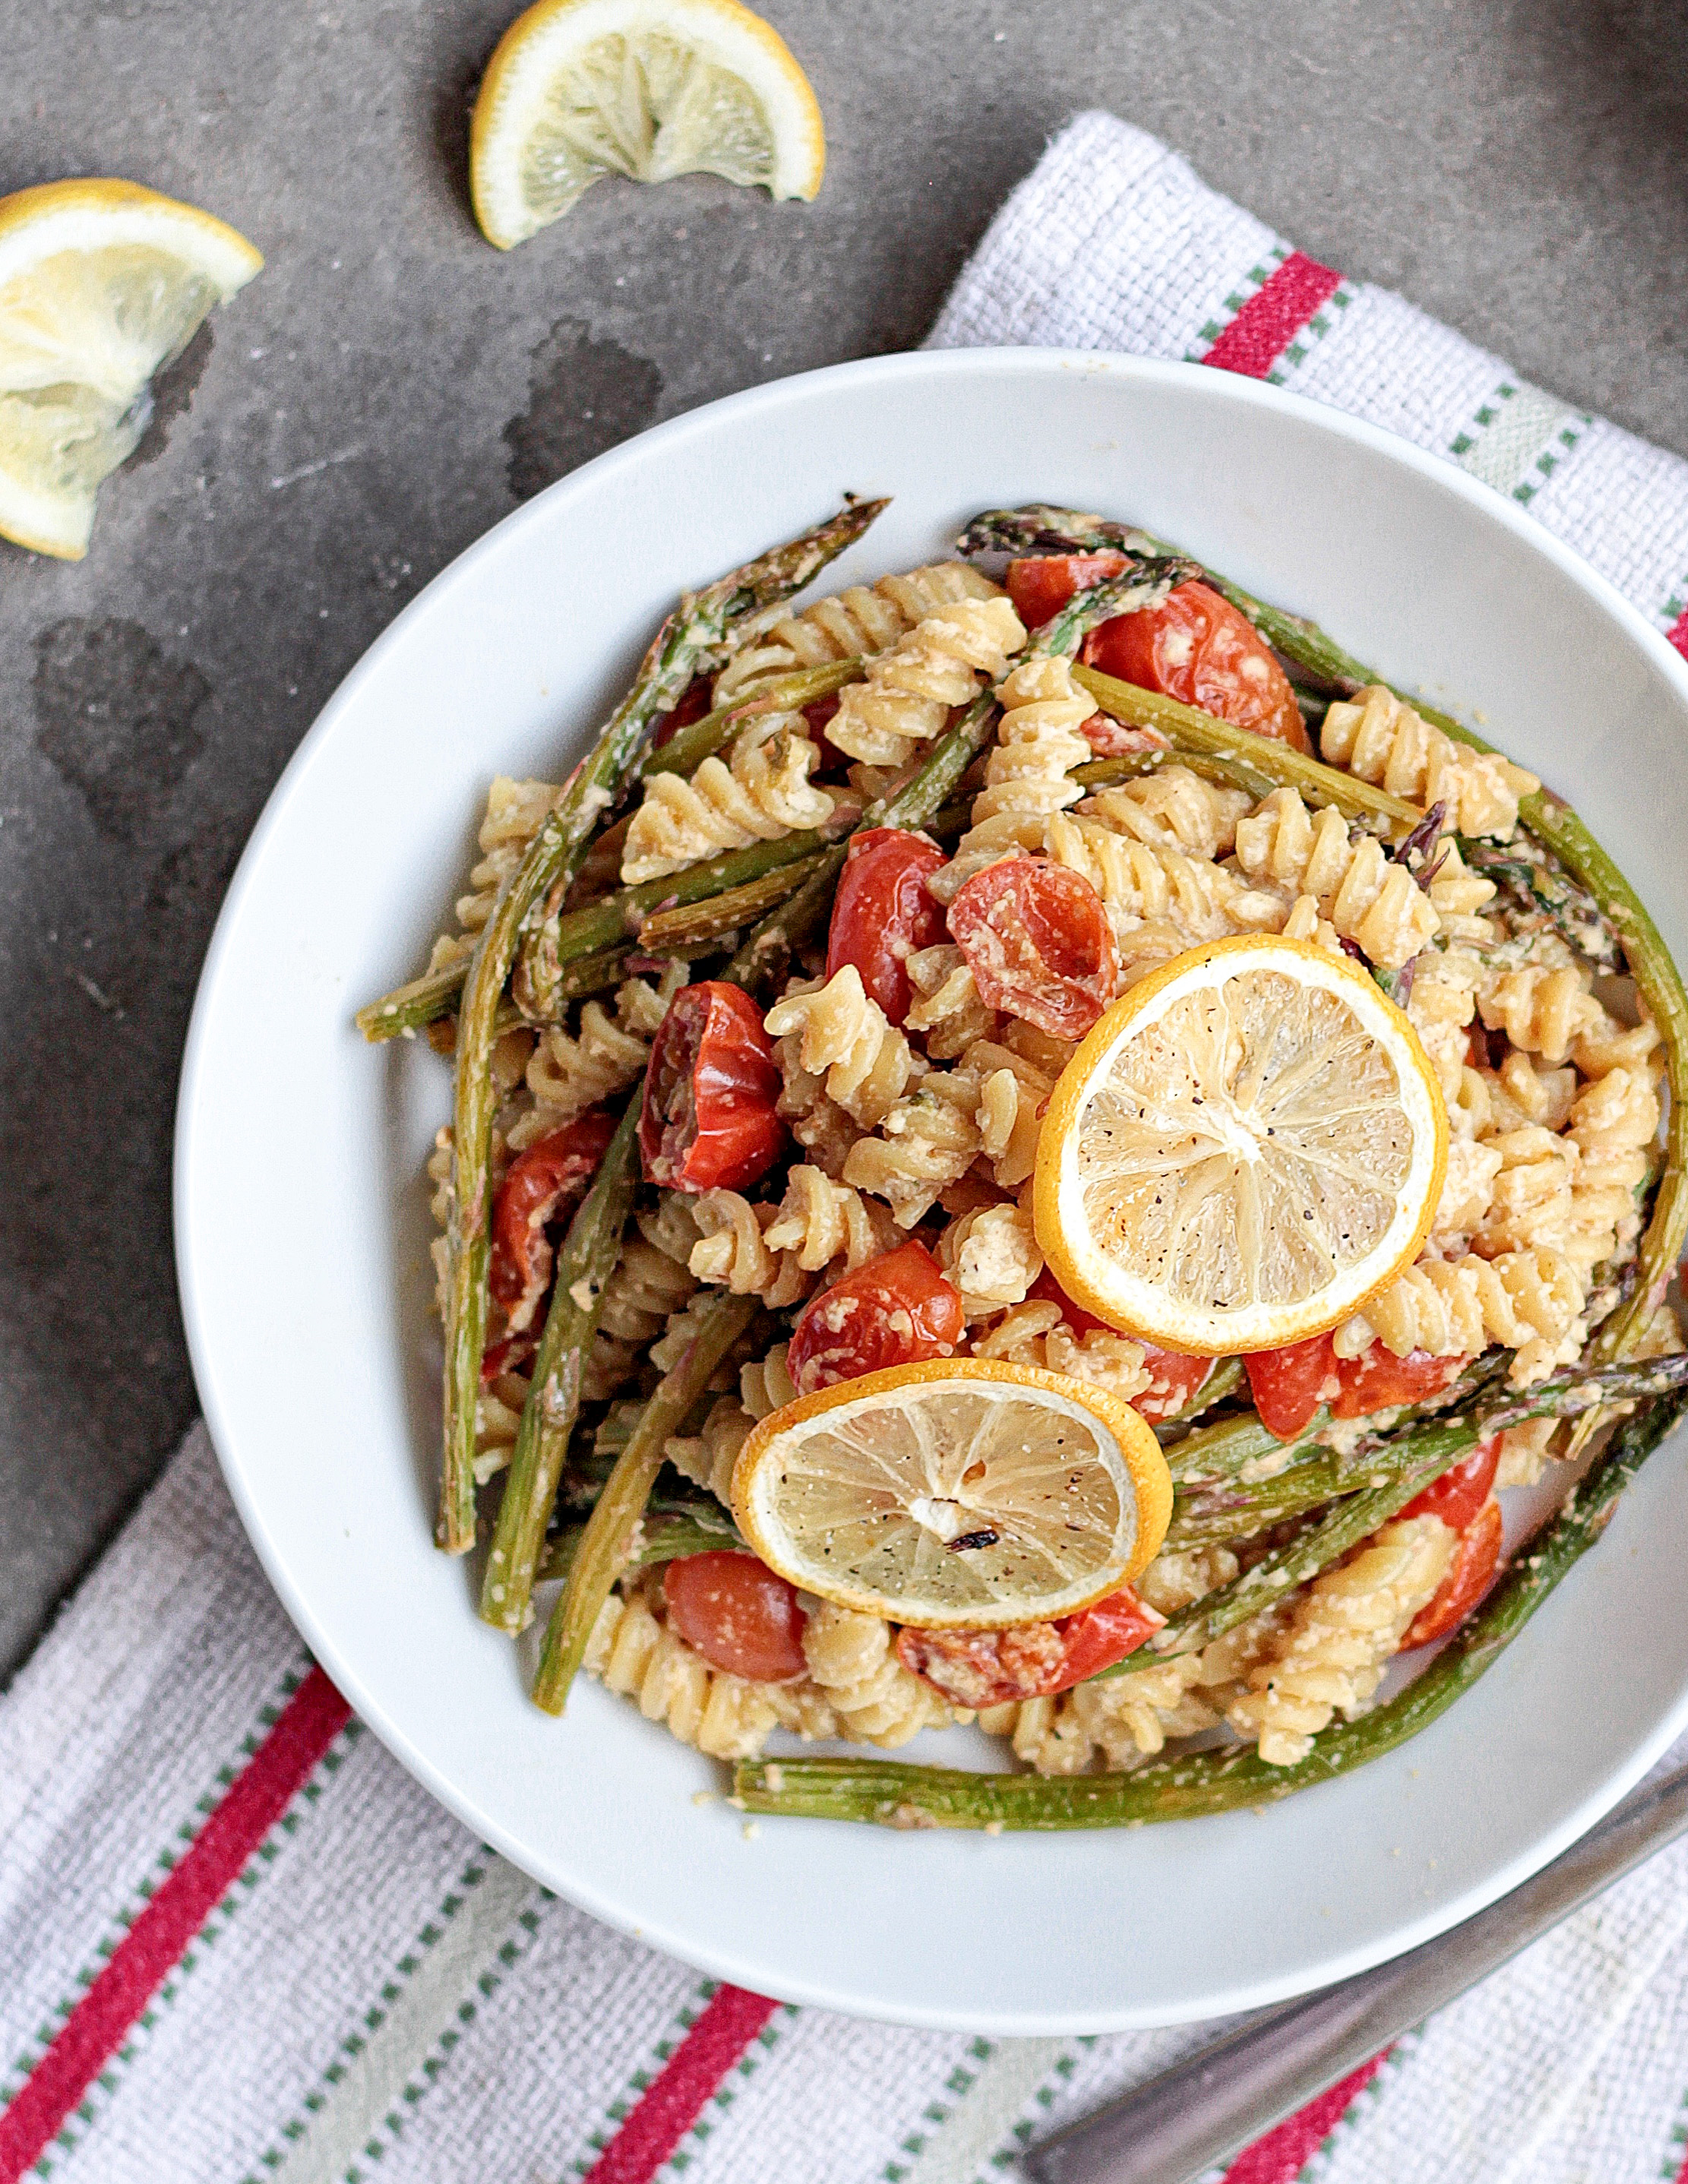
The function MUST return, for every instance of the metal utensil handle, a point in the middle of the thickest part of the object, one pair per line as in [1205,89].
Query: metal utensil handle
[1194,2114]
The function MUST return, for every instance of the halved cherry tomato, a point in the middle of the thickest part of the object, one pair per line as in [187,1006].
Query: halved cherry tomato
[1041,586]
[1457,1496]
[1037,939]
[692,707]
[1175,1378]
[894,1311]
[536,1184]
[1289,1385]
[1196,647]
[882,912]
[739,1614]
[1469,1576]
[1376,1379]
[1029,1660]
[708,1121]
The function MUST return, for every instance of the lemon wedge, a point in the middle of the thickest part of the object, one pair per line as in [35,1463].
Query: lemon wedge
[1245,1147]
[646,88]
[959,1493]
[101,282]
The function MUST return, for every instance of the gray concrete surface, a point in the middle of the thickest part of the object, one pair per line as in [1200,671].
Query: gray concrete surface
[391,386]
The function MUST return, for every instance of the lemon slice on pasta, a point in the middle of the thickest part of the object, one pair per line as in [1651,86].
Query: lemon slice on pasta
[646,88]
[1246,1146]
[101,282]
[955,1494]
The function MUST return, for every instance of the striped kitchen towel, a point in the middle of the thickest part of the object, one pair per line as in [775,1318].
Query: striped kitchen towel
[237,1942]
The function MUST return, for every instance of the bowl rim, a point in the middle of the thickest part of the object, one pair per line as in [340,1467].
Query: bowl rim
[890,372]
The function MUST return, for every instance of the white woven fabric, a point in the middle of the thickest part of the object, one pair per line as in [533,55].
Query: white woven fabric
[374,1991]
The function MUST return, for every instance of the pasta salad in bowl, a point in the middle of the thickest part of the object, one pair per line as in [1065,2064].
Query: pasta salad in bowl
[1032,1145]
[1035,1149]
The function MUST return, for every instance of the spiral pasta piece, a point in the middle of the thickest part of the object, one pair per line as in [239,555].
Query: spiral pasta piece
[1035,1334]
[569,1073]
[1369,899]
[762,792]
[707,1458]
[1346,1629]
[732,1252]
[1529,1205]
[875,1699]
[1027,774]
[823,1225]
[765,1385]
[1190,899]
[1613,1126]
[845,1031]
[1380,739]
[1459,896]
[925,1143]
[1468,1193]
[852,624]
[1543,1009]
[1012,1094]
[946,1006]
[1526,1301]
[1608,1044]
[515,810]
[992,1257]
[905,697]
[651,1278]
[1520,1095]
[633,1654]
[1173,809]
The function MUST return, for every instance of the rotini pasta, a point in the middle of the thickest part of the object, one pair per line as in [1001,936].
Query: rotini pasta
[822,1224]
[845,1031]
[925,1143]
[906,696]
[632,1653]
[1526,1301]
[875,1699]
[1144,884]
[763,792]
[707,1458]
[1543,1008]
[1612,1127]
[570,1072]
[946,1008]
[852,624]
[1530,1200]
[733,1251]
[1369,899]
[993,1258]
[1028,773]
[1381,739]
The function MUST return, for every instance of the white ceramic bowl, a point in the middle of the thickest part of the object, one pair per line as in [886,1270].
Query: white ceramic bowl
[302,1226]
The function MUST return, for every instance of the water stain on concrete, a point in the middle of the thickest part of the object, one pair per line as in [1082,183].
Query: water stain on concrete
[173,392]
[117,717]
[584,396]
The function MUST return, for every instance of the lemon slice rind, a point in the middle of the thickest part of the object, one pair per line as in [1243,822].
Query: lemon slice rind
[580,88]
[1056,1490]
[101,282]
[1315,1139]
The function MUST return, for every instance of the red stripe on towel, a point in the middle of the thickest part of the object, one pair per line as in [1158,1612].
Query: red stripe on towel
[256,1799]
[1286,2150]
[1272,318]
[1677,634]
[674,2099]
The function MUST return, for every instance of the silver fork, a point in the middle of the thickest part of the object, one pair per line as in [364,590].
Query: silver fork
[1195,2115]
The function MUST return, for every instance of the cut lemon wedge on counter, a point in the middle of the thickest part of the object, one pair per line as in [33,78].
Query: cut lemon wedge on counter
[101,282]
[646,88]
[1247,1145]
[955,1494]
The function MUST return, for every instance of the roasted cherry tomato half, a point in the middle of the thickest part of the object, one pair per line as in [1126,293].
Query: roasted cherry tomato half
[1289,1384]
[692,707]
[1041,585]
[708,1121]
[1458,1494]
[896,1310]
[882,912]
[1470,1574]
[1377,1380]
[1037,938]
[1198,648]
[739,1614]
[538,1183]
[1029,1660]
